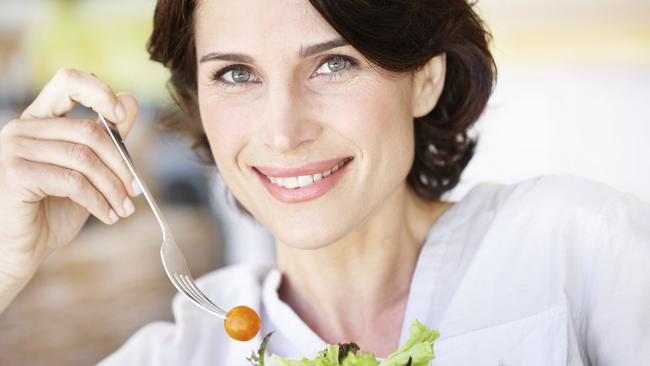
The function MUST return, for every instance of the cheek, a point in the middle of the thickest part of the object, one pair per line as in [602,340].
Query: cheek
[224,123]
[378,117]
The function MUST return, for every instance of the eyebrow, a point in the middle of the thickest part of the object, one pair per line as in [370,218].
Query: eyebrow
[322,47]
[303,53]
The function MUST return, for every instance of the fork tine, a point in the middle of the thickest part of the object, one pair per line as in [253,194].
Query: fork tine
[182,282]
[191,291]
[198,291]
[183,279]
[183,290]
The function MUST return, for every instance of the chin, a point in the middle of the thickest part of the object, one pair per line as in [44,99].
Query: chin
[308,236]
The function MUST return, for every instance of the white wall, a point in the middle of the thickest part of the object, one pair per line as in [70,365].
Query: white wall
[573,95]
[593,123]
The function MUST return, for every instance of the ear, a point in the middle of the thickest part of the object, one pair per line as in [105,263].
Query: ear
[427,85]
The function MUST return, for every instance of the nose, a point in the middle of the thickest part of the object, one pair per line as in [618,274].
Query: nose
[286,119]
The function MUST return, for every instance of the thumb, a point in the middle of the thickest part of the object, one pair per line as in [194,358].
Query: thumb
[131,108]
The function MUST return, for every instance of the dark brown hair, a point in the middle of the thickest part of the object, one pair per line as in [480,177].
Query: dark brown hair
[396,35]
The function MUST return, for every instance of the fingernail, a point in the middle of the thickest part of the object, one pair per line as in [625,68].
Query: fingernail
[112,216]
[120,113]
[128,206]
[136,188]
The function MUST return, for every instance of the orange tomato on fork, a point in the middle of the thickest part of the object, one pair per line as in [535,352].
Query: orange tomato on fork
[242,323]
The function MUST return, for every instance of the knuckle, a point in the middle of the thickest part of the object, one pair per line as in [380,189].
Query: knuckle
[117,186]
[14,172]
[6,153]
[81,153]
[15,168]
[8,131]
[88,129]
[104,93]
[105,89]
[74,179]
[95,199]
[65,73]
[19,167]
[8,150]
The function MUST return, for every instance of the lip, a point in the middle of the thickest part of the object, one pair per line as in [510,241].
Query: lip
[313,191]
[306,169]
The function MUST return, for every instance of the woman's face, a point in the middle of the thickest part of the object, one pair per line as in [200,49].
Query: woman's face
[283,101]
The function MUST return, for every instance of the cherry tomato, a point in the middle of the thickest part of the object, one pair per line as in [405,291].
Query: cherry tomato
[242,323]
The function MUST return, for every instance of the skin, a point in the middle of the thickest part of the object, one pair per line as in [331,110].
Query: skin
[363,236]
[55,171]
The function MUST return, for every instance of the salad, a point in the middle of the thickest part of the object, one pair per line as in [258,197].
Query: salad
[417,351]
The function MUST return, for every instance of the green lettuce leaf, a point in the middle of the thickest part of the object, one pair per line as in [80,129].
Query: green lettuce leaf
[418,348]
[416,351]
[362,359]
[328,357]
[257,358]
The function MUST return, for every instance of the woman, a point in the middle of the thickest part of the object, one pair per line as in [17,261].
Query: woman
[338,125]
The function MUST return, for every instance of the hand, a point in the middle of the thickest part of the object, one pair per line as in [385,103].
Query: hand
[55,171]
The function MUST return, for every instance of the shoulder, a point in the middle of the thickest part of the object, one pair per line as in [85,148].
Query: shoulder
[543,204]
[558,212]
[568,216]
[551,194]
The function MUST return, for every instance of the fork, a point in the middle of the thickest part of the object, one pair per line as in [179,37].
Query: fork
[173,259]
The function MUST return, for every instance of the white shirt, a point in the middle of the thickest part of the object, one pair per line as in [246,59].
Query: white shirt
[551,271]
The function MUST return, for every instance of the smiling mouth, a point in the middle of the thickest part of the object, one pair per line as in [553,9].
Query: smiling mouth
[292,178]
[302,181]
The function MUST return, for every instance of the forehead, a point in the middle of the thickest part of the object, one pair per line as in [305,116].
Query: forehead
[258,25]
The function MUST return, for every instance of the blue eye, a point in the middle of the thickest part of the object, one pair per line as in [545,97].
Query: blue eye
[235,75]
[335,64]
[239,76]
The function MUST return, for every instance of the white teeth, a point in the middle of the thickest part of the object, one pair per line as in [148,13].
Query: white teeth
[304,180]
[290,182]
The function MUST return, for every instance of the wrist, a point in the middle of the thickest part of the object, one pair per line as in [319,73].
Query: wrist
[10,287]
[16,273]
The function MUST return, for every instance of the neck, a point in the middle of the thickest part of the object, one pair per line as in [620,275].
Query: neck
[355,289]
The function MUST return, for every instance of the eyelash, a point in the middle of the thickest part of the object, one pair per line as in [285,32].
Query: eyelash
[217,76]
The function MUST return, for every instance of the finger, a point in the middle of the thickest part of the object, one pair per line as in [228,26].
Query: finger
[132,108]
[68,86]
[43,180]
[79,158]
[77,131]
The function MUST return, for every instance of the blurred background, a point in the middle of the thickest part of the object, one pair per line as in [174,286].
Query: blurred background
[573,97]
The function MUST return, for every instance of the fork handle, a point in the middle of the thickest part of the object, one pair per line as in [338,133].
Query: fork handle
[119,144]
[112,130]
